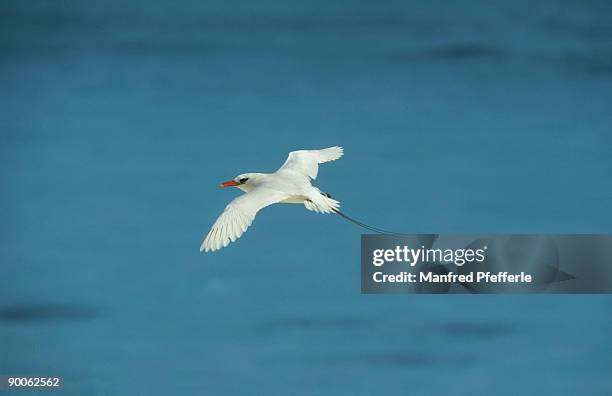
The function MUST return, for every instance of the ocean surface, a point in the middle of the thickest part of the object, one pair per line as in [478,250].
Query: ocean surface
[118,120]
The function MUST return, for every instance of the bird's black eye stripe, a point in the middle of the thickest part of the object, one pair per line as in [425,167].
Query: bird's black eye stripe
[243,180]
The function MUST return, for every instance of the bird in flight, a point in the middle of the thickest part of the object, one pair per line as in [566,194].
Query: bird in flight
[291,183]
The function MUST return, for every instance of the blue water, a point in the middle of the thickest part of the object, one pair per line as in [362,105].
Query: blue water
[119,119]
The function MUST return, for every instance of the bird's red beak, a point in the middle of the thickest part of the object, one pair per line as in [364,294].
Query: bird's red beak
[229,183]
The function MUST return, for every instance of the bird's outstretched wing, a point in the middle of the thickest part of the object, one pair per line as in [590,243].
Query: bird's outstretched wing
[238,216]
[307,162]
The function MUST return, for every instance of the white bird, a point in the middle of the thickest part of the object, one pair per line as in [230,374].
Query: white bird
[289,184]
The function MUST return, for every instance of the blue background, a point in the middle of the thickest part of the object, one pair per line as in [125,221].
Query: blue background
[118,120]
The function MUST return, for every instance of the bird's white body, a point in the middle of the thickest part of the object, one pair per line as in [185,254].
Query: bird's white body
[291,183]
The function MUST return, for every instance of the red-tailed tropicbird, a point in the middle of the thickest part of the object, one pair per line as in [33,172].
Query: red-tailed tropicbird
[289,184]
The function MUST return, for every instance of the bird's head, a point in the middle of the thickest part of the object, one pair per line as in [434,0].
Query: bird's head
[245,181]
